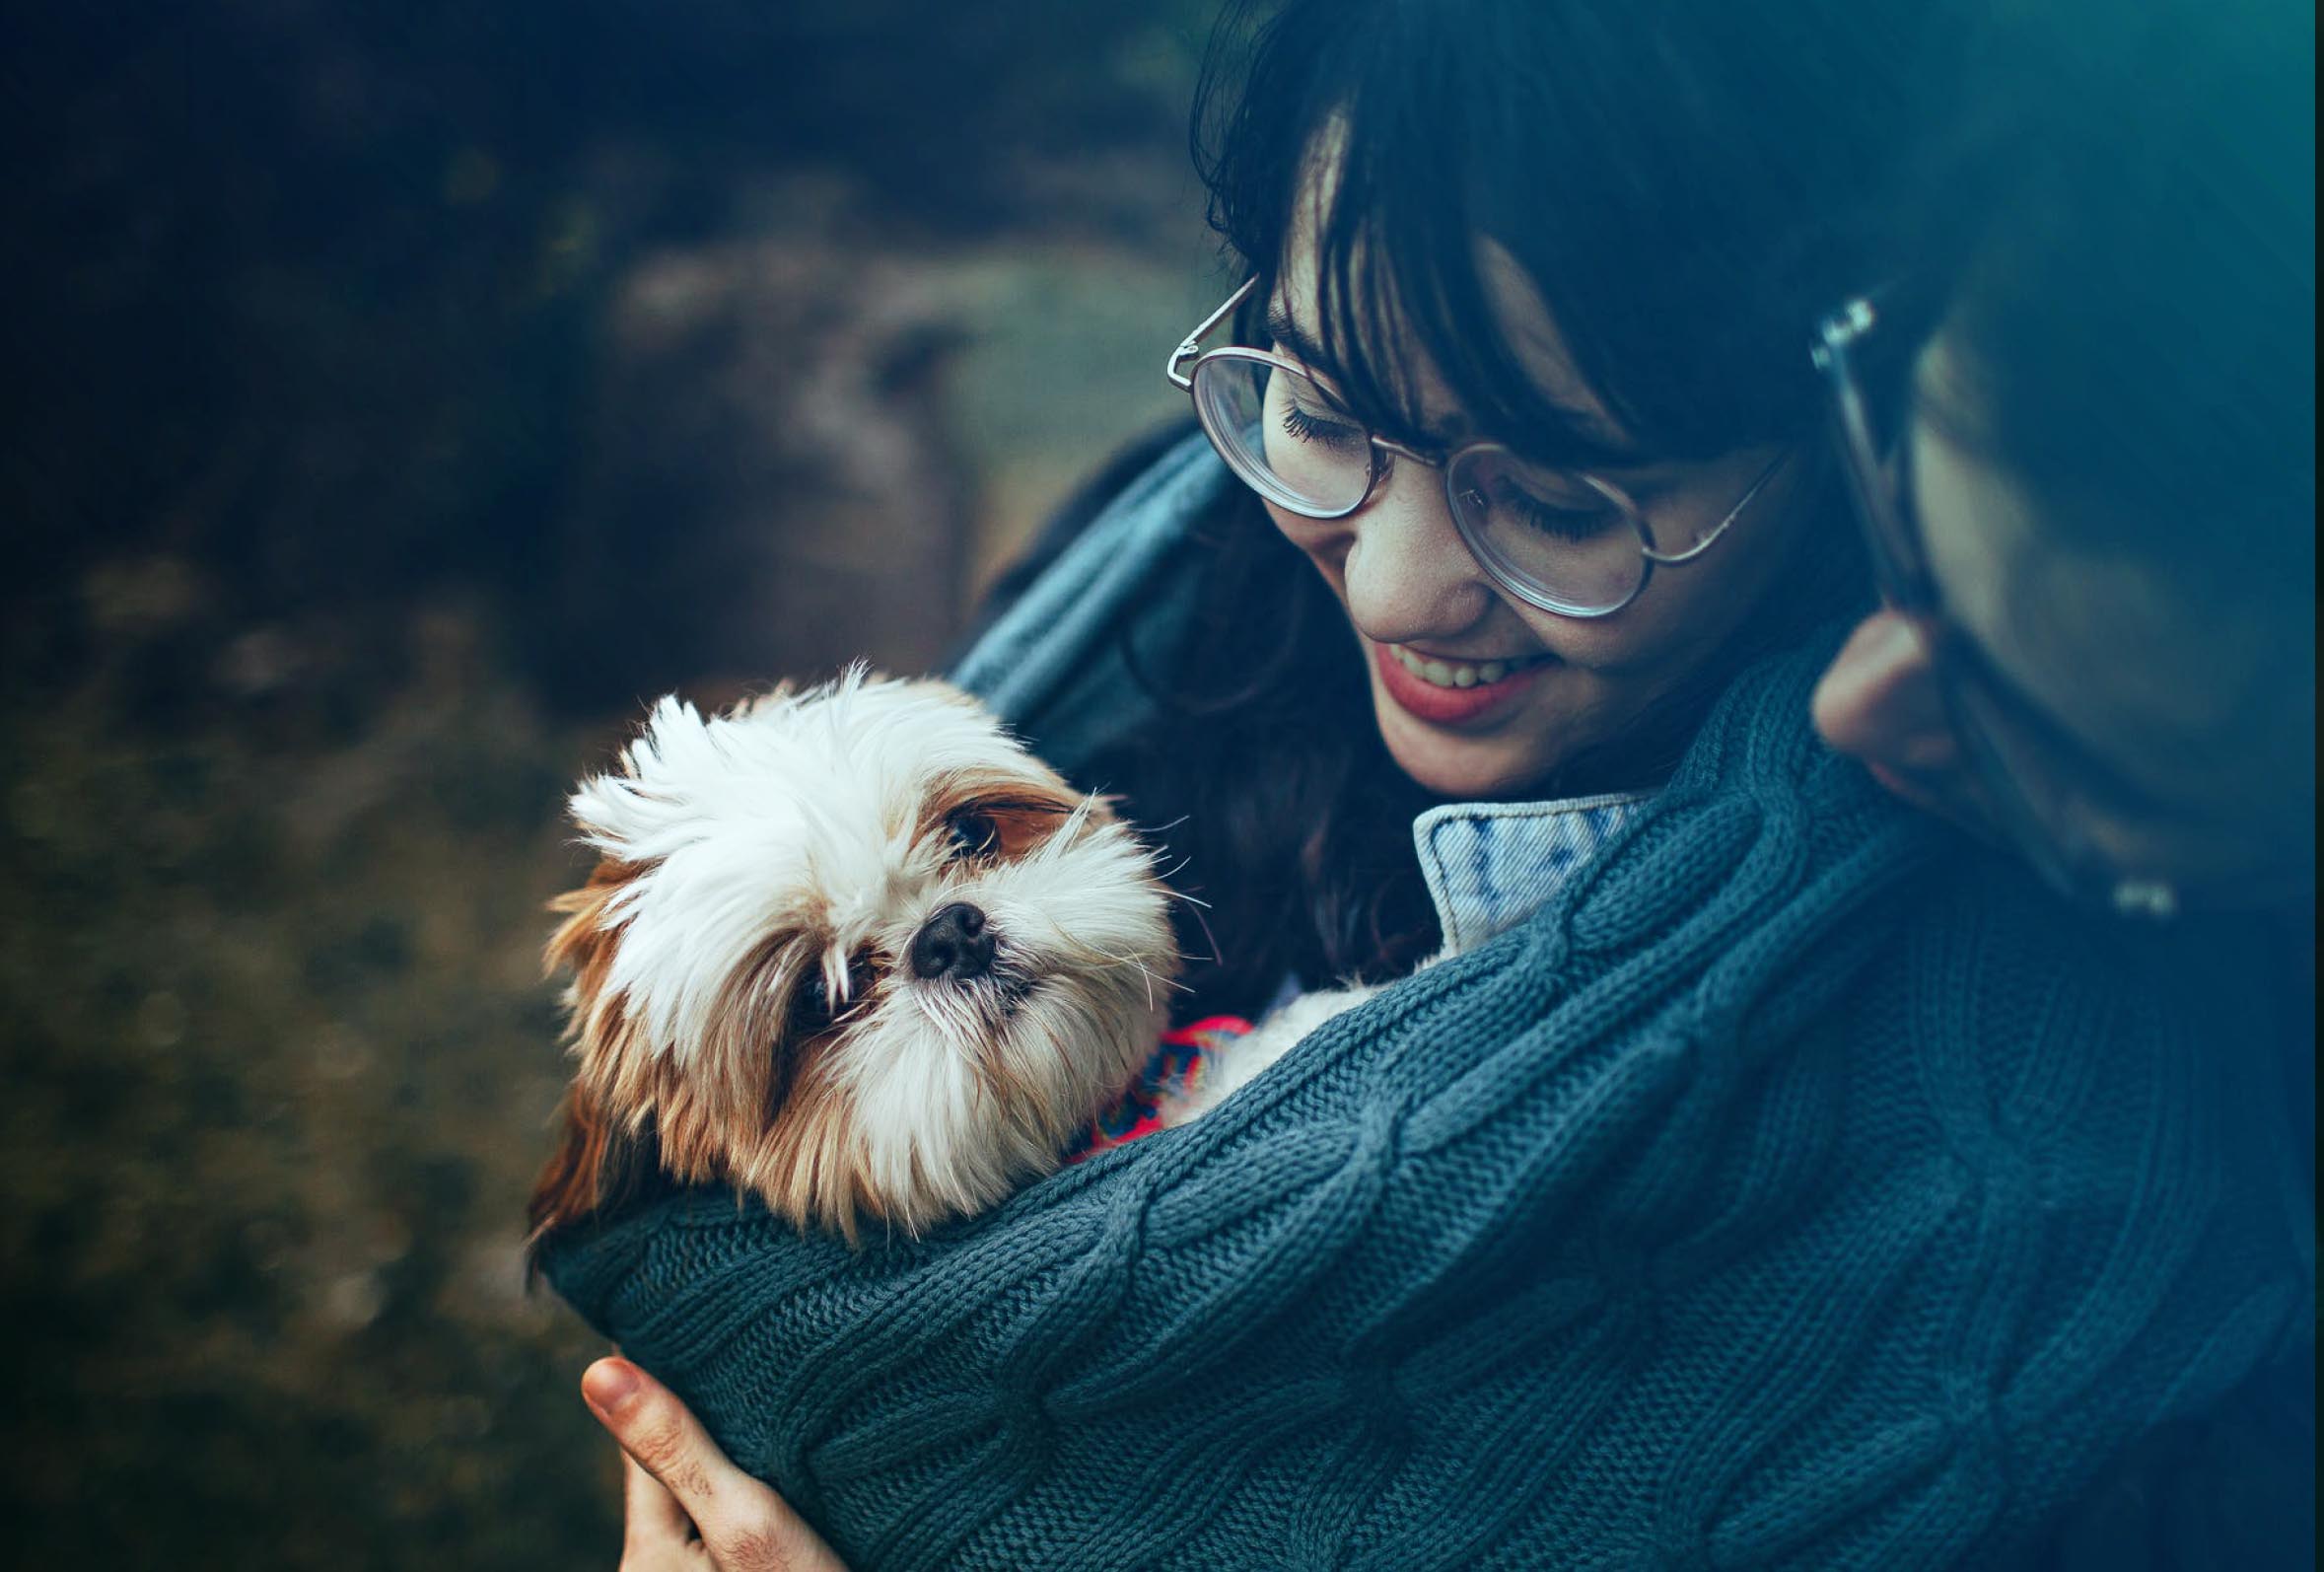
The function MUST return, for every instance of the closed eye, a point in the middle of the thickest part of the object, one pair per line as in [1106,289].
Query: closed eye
[1304,427]
[1568,524]
[1576,514]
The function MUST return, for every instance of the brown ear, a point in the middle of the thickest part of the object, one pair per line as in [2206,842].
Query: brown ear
[598,1027]
[581,943]
[596,1166]
[600,1159]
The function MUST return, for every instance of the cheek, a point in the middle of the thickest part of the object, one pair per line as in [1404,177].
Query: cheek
[1691,610]
[1323,541]
[1647,640]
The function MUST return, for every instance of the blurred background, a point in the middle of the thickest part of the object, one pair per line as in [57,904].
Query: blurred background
[399,398]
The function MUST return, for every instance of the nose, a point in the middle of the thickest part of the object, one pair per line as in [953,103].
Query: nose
[954,944]
[1410,577]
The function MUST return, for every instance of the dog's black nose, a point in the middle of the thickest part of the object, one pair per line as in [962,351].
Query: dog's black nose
[952,943]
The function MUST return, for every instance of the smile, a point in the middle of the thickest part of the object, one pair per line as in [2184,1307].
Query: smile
[1459,673]
[1460,694]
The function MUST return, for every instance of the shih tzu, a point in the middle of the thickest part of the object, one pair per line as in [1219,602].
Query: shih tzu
[854,950]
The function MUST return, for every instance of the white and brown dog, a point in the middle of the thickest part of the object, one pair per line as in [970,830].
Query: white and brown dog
[854,950]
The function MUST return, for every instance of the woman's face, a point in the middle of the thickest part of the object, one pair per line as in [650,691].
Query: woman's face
[1542,692]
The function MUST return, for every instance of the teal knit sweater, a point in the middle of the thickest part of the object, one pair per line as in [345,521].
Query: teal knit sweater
[1799,1189]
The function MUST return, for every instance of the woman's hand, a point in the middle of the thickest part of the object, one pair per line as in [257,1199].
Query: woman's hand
[684,1504]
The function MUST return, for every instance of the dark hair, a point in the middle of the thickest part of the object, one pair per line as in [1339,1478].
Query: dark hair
[1689,184]
[1680,180]
[2132,335]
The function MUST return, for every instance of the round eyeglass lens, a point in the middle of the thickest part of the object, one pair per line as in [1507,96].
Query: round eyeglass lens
[1563,540]
[1282,433]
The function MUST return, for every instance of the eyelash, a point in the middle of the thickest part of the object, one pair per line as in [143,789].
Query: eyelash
[1303,427]
[1566,523]
[1563,523]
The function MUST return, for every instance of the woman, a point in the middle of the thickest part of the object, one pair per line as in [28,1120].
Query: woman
[1762,1179]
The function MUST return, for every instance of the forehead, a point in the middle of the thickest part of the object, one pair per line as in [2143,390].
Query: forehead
[1521,319]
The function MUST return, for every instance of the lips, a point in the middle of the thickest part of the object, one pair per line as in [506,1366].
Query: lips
[1452,693]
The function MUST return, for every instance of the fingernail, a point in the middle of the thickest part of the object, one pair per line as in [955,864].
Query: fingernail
[609,1383]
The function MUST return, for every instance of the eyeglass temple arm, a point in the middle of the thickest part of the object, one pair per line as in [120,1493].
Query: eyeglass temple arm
[1706,541]
[1191,345]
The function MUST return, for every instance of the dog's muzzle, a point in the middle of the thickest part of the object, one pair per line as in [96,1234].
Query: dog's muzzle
[954,945]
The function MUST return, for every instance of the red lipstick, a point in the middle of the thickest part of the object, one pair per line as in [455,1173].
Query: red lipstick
[1449,706]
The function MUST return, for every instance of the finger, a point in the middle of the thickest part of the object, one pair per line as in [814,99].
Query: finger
[652,1521]
[745,1525]
[659,1434]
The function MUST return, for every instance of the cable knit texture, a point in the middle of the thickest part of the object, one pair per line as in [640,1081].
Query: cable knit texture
[1799,1189]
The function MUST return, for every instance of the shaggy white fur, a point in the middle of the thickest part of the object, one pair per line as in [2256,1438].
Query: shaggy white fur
[745,973]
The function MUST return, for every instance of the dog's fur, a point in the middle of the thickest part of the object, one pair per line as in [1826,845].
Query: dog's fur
[755,996]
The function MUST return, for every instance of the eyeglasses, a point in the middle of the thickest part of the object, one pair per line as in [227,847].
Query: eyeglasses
[2041,787]
[1563,540]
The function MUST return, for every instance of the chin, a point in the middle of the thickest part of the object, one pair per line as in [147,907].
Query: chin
[853,951]
[1499,765]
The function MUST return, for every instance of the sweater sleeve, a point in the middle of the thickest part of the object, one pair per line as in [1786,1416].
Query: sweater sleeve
[1797,1190]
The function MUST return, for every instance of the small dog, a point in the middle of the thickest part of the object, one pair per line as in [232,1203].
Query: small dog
[854,950]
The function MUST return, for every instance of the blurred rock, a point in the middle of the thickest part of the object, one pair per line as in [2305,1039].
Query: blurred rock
[770,479]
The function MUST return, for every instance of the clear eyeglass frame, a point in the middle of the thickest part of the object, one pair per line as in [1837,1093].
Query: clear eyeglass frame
[1456,464]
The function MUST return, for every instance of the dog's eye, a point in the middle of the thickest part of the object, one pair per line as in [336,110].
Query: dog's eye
[813,1010]
[974,834]
[811,1006]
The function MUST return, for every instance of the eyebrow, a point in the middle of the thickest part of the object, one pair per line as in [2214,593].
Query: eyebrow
[1288,335]
[1291,336]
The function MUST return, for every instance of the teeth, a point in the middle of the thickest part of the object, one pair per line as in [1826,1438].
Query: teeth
[1455,674]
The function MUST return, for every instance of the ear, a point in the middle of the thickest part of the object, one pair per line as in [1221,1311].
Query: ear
[582,944]
[596,1166]
[597,1021]
[600,1158]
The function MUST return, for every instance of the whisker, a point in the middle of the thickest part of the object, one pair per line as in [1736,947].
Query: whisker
[1083,949]
[1201,922]
[1172,984]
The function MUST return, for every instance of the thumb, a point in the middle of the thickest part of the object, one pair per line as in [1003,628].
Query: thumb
[745,1524]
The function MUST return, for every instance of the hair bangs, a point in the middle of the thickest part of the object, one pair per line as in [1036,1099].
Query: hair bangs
[1672,194]
[1402,292]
